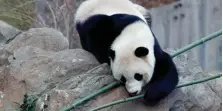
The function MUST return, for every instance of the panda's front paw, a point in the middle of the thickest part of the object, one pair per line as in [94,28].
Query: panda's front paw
[153,96]
[150,103]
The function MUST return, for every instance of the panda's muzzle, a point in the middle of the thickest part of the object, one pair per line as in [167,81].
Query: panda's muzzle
[133,94]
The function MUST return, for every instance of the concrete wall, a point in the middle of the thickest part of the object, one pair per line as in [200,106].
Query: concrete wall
[185,21]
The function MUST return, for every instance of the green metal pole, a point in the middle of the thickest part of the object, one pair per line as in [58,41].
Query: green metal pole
[196,43]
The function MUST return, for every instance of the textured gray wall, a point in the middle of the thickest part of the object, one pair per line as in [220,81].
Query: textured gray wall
[178,25]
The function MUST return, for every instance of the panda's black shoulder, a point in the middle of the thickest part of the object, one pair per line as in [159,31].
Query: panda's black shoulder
[98,32]
[104,26]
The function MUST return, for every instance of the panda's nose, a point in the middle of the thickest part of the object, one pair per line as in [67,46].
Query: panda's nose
[133,94]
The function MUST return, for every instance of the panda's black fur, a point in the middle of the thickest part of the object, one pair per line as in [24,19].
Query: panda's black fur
[165,76]
[98,32]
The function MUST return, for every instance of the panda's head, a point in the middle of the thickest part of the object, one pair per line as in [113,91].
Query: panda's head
[132,57]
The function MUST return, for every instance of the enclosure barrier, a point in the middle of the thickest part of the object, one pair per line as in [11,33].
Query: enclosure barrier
[115,84]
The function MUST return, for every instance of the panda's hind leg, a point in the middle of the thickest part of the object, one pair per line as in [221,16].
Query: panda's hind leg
[146,14]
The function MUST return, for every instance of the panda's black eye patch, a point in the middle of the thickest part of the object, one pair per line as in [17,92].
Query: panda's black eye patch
[111,53]
[123,79]
[141,51]
[138,76]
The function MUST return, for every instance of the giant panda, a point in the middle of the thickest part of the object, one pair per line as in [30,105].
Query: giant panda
[115,32]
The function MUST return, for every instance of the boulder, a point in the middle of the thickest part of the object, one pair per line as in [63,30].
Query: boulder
[45,38]
[198,97]
[38,62]
[40,69]
[4,54]
[75,88]
[34,71]
[7,33]
[60,78]
[216,85]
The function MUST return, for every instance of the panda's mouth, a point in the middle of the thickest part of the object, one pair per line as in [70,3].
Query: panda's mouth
[133,94]
[134,88]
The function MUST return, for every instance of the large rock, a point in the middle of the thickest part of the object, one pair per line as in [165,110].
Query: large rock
[35,71]
[38,62]
[216,85]
[192,98]
[45,38]
[11,91]
[75,88]
[7,33]
[39,69]
[4,54]
[60,78]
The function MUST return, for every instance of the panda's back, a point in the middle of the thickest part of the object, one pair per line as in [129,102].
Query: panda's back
[106,7]
[100,22]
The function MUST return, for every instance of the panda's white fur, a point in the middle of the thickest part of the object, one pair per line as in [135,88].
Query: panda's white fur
[107,7]
[133,36]
[134,53]
[126,63]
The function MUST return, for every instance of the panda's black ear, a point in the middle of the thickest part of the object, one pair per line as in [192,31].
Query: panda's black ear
[111,53]
[141,51]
